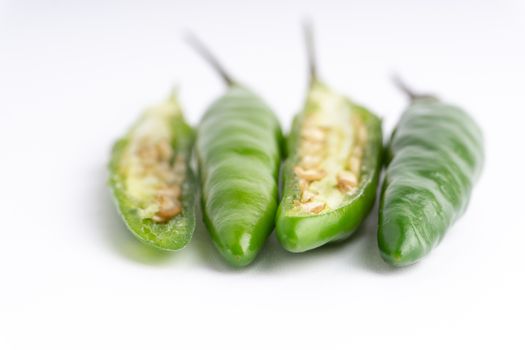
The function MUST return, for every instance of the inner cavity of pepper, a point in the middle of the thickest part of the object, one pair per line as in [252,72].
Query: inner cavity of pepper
[330,154]
[154,172]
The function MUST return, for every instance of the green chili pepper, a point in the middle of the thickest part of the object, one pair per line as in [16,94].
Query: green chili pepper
[435,156]
[332,169]
[151,179]
[239,154]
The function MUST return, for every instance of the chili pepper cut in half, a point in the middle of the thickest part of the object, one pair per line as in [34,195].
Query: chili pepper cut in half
[434,157]
[239,153]
[151,179]
[332,170]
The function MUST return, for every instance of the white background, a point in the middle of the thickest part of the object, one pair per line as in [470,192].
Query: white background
[74,75]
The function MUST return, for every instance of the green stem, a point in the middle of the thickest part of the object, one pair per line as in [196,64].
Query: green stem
[412,95]
[209,57]
[310,50]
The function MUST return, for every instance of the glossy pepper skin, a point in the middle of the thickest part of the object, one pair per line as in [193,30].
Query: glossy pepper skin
[299,233]
[435,156]
[176,232]
[238,150]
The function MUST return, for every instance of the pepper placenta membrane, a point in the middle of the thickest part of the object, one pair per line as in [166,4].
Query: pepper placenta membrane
[435,156]
[151,178]
[239,154]
[331,171]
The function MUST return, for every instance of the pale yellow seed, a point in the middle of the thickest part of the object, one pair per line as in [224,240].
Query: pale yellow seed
[346,181]
[307,196]
[354,164]
[172,191]
[310,161]
[147,154]
[313,207]
[311,148]
[168,213]
[313,134]
[309,174]
[168,208]
[303,185]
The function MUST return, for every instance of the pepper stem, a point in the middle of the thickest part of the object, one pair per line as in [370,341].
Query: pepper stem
[412,95]
[310,50]
[174,93]
[209,57]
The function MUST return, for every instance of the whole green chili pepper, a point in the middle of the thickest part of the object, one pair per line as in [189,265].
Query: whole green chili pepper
[151,179]
[435,156]
[239,154]
[332,169]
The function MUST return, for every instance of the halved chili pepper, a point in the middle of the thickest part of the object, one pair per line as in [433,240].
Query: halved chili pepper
[151,178]
[435,156]
[239,154]
[332,169]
